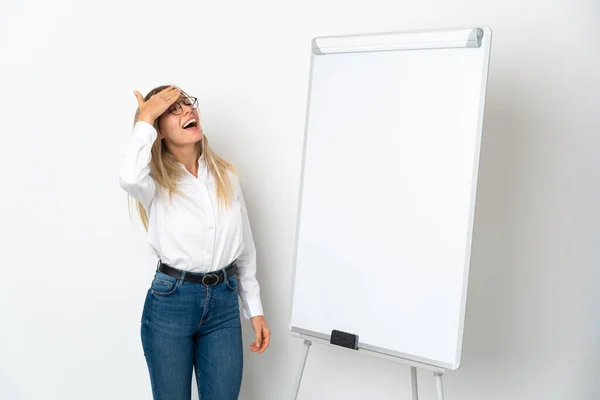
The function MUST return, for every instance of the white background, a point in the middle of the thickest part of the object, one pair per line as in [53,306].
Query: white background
[75,270]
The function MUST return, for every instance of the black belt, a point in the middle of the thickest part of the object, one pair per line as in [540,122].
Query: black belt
[207,279]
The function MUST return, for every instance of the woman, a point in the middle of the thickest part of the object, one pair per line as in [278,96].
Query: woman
[191,203]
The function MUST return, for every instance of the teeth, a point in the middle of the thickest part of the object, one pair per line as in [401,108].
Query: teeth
[189,122]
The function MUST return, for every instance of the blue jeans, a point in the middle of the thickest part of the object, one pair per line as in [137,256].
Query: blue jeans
[185,325]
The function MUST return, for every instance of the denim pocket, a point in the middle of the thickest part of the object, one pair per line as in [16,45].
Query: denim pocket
[164,285]
[231,282]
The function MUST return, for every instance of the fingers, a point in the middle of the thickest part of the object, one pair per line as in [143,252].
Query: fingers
[171,96]
[170,93]
[263,335]
[258,340]
[266,341]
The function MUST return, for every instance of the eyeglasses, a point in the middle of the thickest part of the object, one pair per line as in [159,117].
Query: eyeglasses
[176,108]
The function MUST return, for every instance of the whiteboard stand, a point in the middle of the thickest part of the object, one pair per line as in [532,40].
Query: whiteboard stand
[439,384]
[307,344]
[415,385]
[437,372]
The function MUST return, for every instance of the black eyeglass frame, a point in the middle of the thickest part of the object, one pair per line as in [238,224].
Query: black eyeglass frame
[177,109]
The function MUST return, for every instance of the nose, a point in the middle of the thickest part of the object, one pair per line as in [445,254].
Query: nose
[186,109]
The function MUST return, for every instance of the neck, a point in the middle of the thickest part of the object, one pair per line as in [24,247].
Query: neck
[188,156]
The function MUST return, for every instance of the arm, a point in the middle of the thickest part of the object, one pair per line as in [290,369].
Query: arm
[134,176]
[246,262]
[249,288]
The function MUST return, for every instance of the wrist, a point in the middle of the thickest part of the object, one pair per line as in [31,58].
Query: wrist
[146,118]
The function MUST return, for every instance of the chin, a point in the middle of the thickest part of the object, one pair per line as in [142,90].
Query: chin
[191,137]
[198,137]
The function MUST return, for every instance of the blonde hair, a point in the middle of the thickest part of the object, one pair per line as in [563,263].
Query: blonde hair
[166,172]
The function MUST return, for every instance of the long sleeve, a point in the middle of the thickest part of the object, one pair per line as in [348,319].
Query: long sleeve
[134,176]
[246,262]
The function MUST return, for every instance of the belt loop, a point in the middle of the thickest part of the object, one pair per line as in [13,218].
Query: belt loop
[225,274]
[158,264]
[182,277]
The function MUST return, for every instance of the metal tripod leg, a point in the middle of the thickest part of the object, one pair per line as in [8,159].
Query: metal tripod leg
[298,380]
[439,385]
[415,386]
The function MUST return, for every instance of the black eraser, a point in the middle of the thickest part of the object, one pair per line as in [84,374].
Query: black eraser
[344,339]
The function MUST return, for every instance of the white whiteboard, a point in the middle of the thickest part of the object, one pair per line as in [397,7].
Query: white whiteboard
[388,194]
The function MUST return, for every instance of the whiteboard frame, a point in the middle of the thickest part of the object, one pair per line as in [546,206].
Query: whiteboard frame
[407,359]
[369,350]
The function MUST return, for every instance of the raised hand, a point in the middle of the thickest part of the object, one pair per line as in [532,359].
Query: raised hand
[156,105]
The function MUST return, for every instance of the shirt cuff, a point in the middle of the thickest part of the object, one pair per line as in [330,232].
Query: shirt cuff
[145,131]
[252,308]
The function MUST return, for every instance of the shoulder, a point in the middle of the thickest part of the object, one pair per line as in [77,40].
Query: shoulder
[236,185]
[234,176]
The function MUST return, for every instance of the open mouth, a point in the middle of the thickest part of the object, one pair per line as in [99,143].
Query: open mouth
[192,124]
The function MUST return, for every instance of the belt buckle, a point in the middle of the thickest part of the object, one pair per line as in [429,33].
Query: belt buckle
[212,281]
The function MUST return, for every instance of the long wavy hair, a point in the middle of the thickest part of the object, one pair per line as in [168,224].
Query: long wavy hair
[166,172]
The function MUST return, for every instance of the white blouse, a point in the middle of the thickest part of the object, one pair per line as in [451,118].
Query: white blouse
[188,232]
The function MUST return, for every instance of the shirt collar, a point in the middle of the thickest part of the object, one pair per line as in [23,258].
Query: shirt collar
[201,161]
[202,167]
